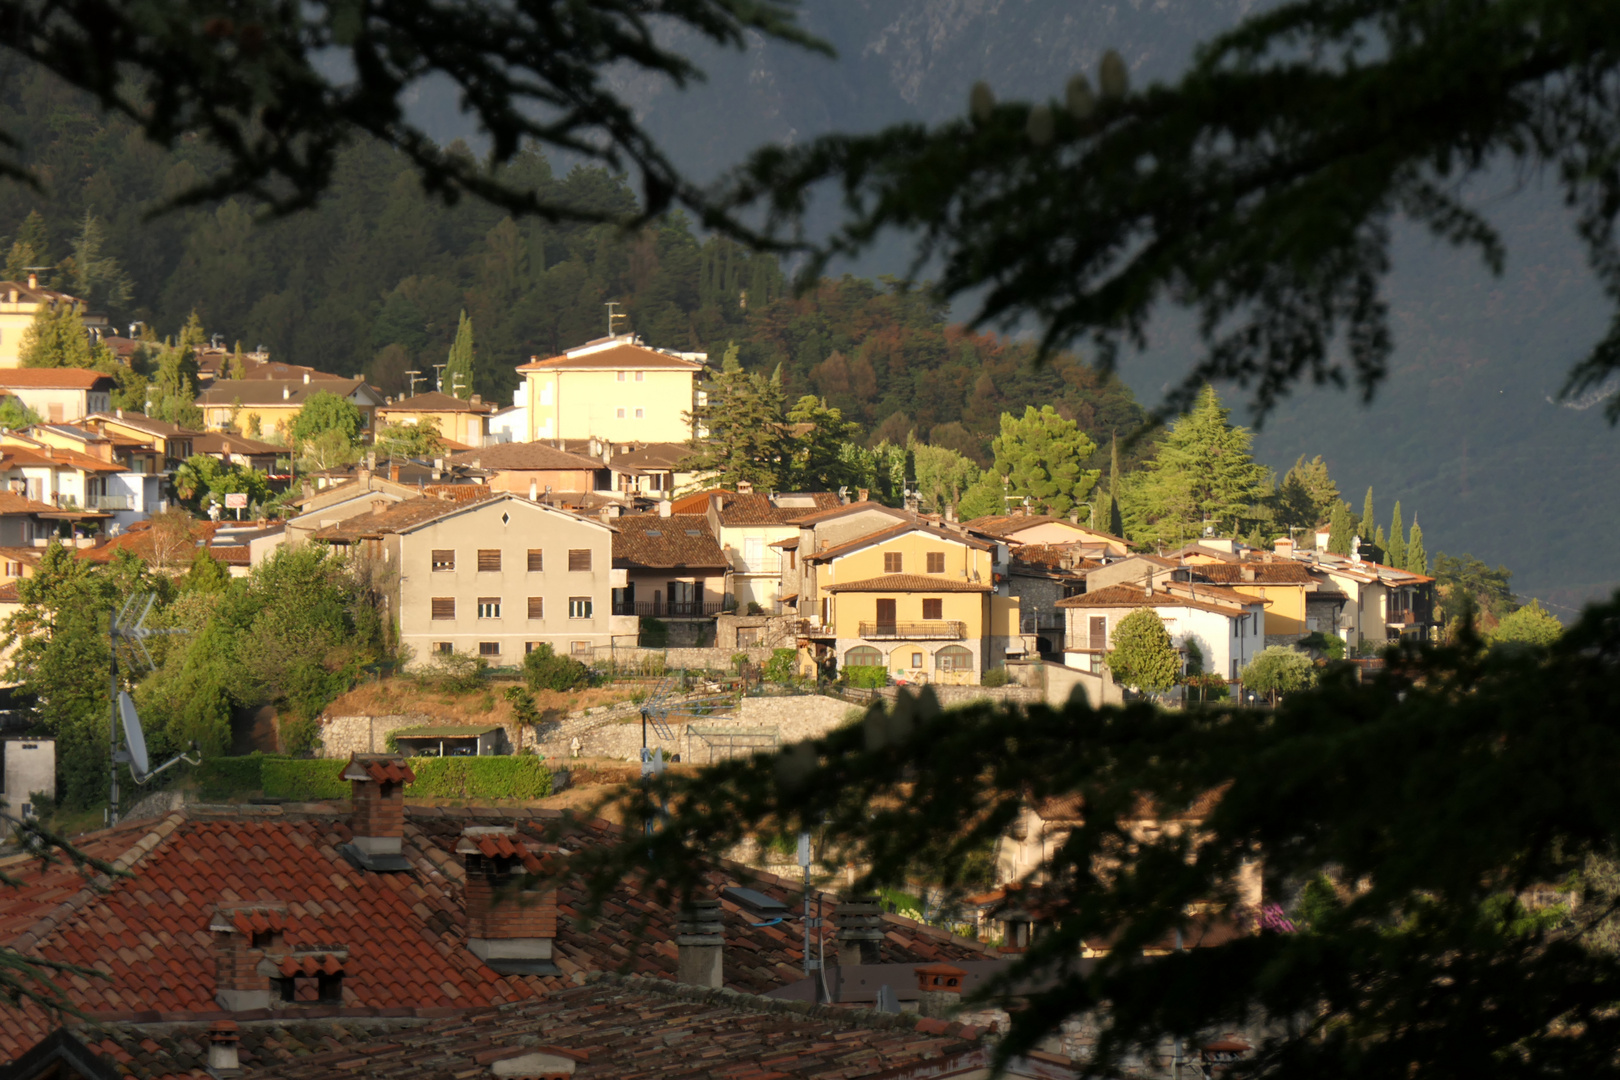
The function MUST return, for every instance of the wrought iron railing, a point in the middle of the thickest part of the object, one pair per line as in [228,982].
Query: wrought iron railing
[669,609]
[928,630]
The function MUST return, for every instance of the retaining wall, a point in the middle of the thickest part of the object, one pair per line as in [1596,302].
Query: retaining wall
[950,696]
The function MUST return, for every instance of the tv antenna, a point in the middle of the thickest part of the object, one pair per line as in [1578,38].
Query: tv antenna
[128,624]
[414,377]
[438,377]
[610,305]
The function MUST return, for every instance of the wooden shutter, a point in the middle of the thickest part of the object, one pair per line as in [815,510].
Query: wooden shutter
[444,607]
[933,609]
[444,558]
[936,562]
[537,561]
[537,607]
[489,560]
[885,613]
[579,558]
[892,562]
[1099,632]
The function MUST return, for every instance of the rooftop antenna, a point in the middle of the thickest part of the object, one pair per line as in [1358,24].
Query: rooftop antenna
[215,339]
[610,305]
[438,376]
[128,624]
[132,327]
[414,377]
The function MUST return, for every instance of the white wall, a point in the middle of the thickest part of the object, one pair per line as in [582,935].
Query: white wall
[30,767]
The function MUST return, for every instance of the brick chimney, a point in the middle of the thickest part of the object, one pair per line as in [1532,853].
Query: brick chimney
[859,920]
[223,1059]
[700,939]
[1284,546]
[511,922]
[243,934]
[378,821]
[745,487]
[393,471]
[939,990]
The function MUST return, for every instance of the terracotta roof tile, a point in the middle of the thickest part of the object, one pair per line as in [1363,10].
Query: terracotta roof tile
[54,379]
[1133,596]
[627,356]
[650,541]
[436,402]
[1005,525]
[918,583]
[1264,573]
[890,533]
[398,516]
[531,456]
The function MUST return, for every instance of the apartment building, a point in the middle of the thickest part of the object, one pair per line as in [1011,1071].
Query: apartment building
[20,301]
[749,526]
[59,395]
[615,388]
[491,577]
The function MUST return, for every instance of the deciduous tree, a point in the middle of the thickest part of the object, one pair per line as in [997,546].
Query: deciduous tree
[1141,655]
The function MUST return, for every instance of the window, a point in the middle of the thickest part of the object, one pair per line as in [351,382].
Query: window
[529,647]
[489,648]
[537,561]
[621,414]
[537,607]
[953,658]
[933,609]
[444,607]
[621,379]
[581,650]
[641,376]
[1099,632]
[863,656]
[936,562]
[753,555]
[489,560]
[489,607]
[892,562]
[443,648]
[579,559]
[640,413]
[580,607]
[916,659]
[444,559]
[1096,663]
[14,569]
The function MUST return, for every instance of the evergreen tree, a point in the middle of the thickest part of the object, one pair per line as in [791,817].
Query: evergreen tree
[814,439]
[1342,530]
[1397,539]
[57,338]
[742,437]
[457,379]
[236,364]
[1381,544]
[94,276]
[29,249]
[1141,655]
[192,335]
[1417,561]
[1202,474]
[1113,468]
[1041,455]
[172,395]
[985,498]
[1368,524]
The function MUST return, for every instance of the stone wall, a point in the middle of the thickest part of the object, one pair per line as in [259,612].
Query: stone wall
[689,659]
[617,733]
[950,696]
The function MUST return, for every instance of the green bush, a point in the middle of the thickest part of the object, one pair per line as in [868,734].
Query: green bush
[867,677]
[543,669]
[455,673]
[511,777]
[300,734]
[996,676]
[783,665]
[303,779]
[223,777]
[523,707]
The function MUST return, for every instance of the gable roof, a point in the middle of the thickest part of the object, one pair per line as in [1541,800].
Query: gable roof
[141,422]
[741,510]
[1281,572]
[54,379]
[525,457]
[893,532]
[216,442]
[840,508]
[1133,596]
[397,517]
[623,356]
[434,401]
[288,393]
[405,932]
[1005,525]
[918,583]
[653,457]
[53,457]
[15,502]
[650,541]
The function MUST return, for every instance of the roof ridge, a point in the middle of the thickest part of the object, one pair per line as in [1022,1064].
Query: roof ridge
[98,885]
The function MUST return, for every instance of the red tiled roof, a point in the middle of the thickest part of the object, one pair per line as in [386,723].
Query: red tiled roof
[383,768]
[526,457]
[15,502]
[1265,573]
[1133,596]
[890,533]
[843,508]
[626,356]
[435,402]
[54,379]
[917,583]
[1005,525]
[647,540]
[398,516]
[403,932]
[54,458]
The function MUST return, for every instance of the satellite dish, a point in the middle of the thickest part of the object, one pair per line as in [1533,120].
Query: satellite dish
[134,738]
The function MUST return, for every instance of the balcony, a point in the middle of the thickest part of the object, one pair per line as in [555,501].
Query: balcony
[676,609]
[930,630]
[111,502]
[1401,618]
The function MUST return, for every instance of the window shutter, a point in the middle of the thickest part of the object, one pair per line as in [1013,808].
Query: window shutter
[489,560]
[579,558]
[936,562]
[444,558]
[1099,632]
[537,607]
[892,562]
[444,607]
[537,560]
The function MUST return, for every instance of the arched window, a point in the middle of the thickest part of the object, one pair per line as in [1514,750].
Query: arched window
[953,658]
[863,656]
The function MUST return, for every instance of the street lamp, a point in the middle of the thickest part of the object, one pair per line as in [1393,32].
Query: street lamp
[1093,510]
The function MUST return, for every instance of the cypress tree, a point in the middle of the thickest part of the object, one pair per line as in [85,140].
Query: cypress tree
[1381,544]
[458,371]
[1397,539]
[1340,530]
[1369,520]
[1113,471]
[1417,561]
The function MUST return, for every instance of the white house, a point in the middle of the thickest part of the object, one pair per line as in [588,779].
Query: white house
[1227,629]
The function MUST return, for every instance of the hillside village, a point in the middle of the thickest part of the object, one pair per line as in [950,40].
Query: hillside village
[577,524]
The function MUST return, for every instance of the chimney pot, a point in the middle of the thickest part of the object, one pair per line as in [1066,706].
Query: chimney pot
[864,493]
[534,490]
[859,920]
[393,472]
[939,990]
[286,393]
[665,508]
[700,943]
[33,280]
[511,924]
[745,487]
[306,378]
[378,822]
[243,934]
[222,1047]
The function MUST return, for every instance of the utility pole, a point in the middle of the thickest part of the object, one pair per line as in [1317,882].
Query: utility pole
[414,377]
[611,315]
[438,377]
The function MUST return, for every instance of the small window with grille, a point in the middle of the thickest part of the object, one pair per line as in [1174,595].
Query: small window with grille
[489,648]
[489,560]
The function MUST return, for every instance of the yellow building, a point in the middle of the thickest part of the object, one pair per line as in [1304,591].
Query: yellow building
[615,389]
[268,406]
[464,423]
[917,600]
[20,302]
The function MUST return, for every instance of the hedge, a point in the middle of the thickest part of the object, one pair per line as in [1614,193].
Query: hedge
[311,779]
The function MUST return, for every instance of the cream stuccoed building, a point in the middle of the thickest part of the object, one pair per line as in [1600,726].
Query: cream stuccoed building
[614,388]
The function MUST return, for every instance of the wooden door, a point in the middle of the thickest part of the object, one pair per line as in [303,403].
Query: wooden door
[885,613]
